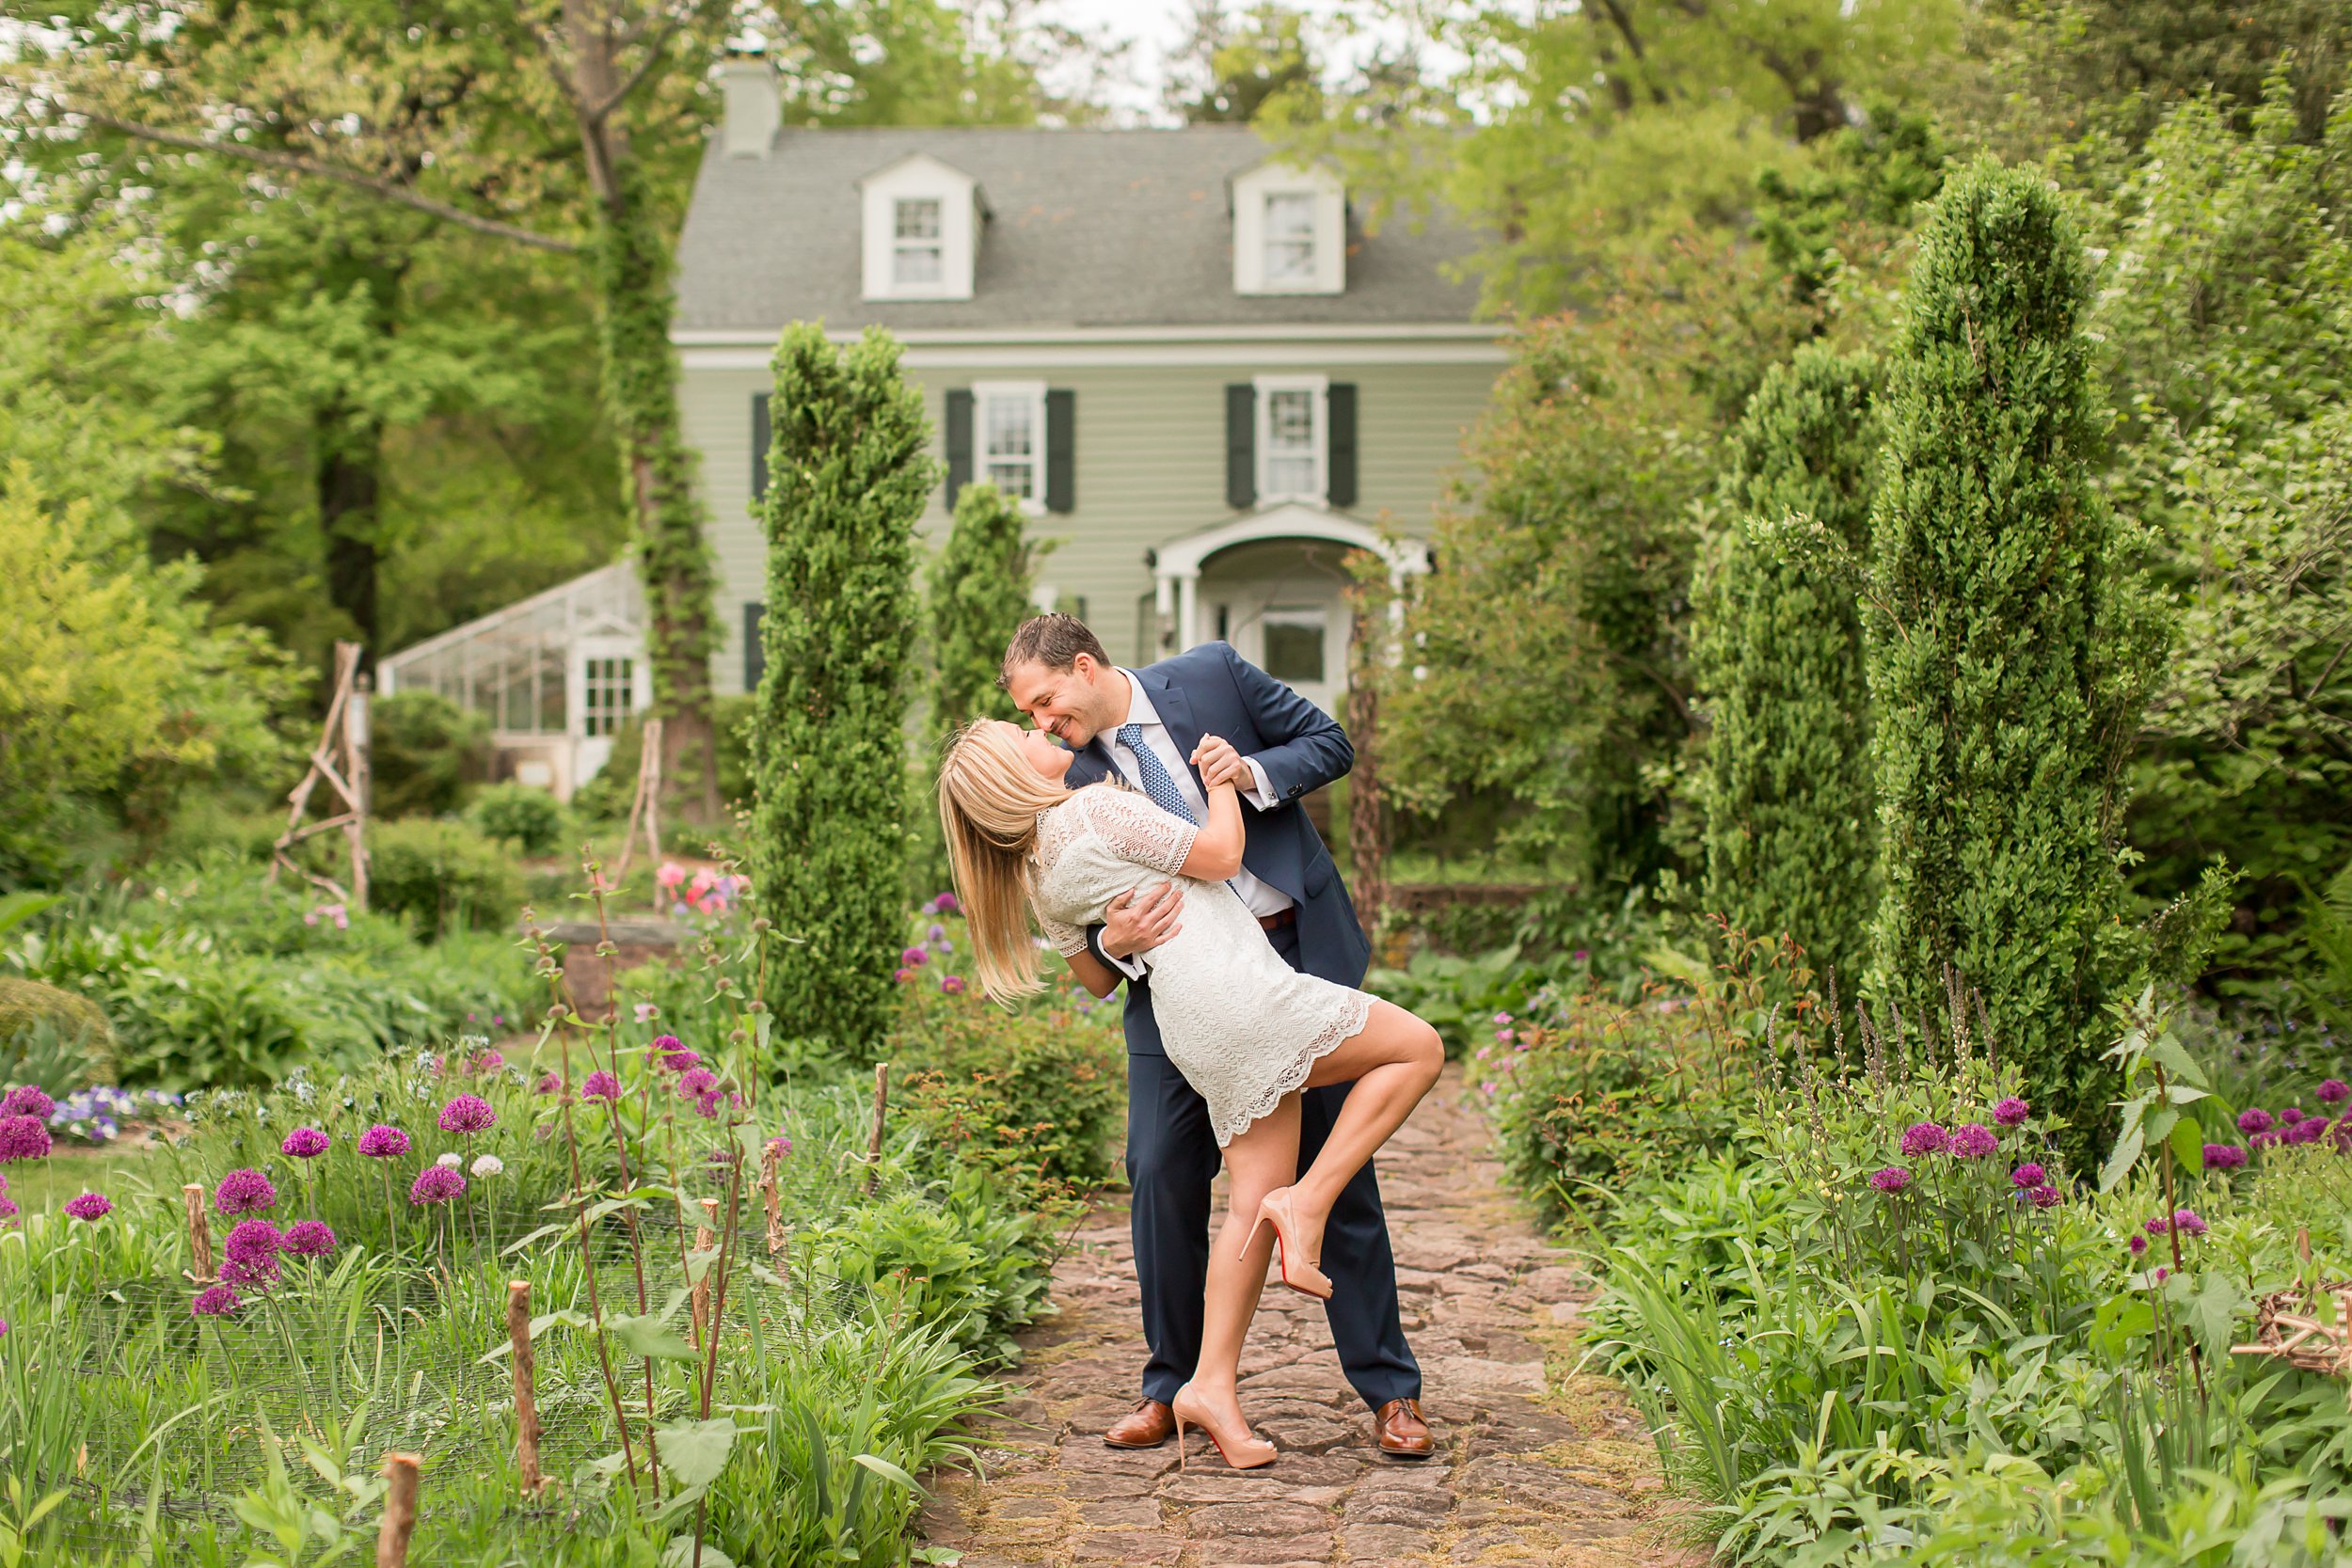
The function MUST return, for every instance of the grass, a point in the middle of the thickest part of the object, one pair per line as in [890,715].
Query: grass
[38,1185]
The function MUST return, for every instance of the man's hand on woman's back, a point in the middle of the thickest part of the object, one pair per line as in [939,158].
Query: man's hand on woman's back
[1139,921]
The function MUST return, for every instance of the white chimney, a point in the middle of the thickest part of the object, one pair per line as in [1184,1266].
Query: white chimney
[752,108]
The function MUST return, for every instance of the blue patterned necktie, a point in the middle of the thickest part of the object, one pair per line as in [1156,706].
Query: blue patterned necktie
[1156,783]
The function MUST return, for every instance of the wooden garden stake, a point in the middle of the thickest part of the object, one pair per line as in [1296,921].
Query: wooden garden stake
[771,1158]
[874,1137]
[400,1510]
[200,1234]
[645,807]
[340,760]
[705,1239]
[526,1391]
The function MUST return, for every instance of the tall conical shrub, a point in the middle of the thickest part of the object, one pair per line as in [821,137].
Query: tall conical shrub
[1776,647]
[848,476]
[2010,645]
[980,594]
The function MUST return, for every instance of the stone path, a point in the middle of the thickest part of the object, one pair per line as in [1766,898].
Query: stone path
[1530,1469]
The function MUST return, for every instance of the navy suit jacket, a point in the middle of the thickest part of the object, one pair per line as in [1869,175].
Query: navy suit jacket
[1212,690]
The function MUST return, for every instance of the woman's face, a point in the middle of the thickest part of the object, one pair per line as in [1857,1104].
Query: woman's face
[1042,752]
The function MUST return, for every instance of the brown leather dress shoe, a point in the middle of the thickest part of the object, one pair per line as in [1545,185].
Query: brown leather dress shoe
[1149,1424]
[1401,1431]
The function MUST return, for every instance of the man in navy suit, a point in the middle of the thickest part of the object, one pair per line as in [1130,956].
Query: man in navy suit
[1275,747]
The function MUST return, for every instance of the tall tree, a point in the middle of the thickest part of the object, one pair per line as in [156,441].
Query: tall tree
[2011,644]
[1776,652]
[981,585]
[848,478]
[1231,69]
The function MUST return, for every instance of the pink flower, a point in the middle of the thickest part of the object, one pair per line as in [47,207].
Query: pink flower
[2137,1244]
[2292,1115]
[1894,1179]
[601,1085]
[2253,1121]
[696,1082]
[2028,1176]
[27,1099]
[2044,1197]
[2335,1091]
[214,1301]
[435,1184]
[551,1083]
[2224,1156]
[952,984]
[2012,1112]
[23,1137]
[252,1239]
[946,904]
[1924,1137]
[310,1238]
[671,874]
[383,1143]
[304,1143]
[1973,1141]
[903,976]
[91,1206]
[467,1113]
[244,1192]
[647,1012]
[913,958]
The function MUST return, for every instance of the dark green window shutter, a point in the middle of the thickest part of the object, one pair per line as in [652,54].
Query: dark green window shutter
[754,647]
[1339,409]
[1240,446]
[959,443]
[759,445]
[1061,450]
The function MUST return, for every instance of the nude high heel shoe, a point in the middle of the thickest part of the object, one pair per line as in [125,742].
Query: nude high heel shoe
[1298,1272]
[1245,1451]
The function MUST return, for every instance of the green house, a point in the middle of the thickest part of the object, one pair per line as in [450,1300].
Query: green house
[1206,376]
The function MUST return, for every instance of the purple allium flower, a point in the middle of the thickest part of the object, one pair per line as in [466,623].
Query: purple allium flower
[383,1143]
[304,1143]
[310,1238]
[2335,1091]
[1894,1179]
[7,1209]
[27,1099]
[2028,1176]
[913,958]
[2188,1222]
[2224,1156]
[781,1144]
[937,933]
[23,1137]
[2163,1275]
[491,1061]
[903,976]
[952,984]
[1924,1137]
[2309,1131]
[551,1083]
[694,1082]
[4,1327]
[2012,1112]
[2292,1115]
[707,1105]
[244,1192]
[946,904]
[2253,1121]
[255,1272]
[90,1206]
[1973,1141]
[252,1239]
[662,1044]
[2138,1244]
[600,1085]
[435,1184]
[2158,1225]
[674,1053]
[467,1113]
[2044,1197]
[214,1301]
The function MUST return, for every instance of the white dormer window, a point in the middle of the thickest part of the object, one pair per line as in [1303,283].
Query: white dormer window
[1291,440]
[1010,438]
[1290,232]
[916,259]
[1290,239]
[922,221]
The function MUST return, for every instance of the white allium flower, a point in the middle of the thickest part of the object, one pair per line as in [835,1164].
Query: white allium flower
[489,1165]
[453,1159]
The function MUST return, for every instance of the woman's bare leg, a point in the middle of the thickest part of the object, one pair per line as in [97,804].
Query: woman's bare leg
[1393,1061]
[1262,1157]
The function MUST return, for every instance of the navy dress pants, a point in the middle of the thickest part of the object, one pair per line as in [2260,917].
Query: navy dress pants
[1172,1157]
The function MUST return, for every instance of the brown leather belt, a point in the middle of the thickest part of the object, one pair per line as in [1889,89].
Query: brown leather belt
[1280,919]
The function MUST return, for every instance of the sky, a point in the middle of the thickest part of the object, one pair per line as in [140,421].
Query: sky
[1157,29]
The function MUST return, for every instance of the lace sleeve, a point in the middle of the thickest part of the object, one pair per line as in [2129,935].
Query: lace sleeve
[1069,941]
[1139,830]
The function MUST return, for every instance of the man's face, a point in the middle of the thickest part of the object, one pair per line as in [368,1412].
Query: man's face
[1062,702]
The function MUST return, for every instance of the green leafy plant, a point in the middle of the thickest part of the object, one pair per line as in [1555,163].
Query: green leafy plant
[528,818]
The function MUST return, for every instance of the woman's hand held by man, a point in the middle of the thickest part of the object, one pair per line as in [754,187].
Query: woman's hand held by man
[1221,765]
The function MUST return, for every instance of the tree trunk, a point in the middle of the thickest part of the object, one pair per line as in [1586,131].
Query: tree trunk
[629,264]
[349,488]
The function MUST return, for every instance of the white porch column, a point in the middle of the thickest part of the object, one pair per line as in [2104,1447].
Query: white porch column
[1187,610]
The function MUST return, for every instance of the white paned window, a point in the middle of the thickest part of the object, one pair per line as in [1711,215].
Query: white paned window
[609,692]
[1290,239]
[1292,440]
[917,244]
[1008,436]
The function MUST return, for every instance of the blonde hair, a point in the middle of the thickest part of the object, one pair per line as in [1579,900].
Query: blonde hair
[989,802]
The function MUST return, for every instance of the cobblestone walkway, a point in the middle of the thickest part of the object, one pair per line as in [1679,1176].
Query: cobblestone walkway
[1566,1477]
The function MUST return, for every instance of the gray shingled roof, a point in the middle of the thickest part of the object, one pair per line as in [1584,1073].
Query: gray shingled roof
[1086,228]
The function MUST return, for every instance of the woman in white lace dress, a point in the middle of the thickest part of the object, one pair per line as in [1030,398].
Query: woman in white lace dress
[1247,1030]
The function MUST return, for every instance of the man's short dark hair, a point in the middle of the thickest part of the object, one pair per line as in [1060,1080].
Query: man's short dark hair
[1055,641]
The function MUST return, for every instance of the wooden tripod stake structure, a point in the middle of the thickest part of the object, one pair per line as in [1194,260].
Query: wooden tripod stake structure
[526,1386]
[340,759]
[646,805]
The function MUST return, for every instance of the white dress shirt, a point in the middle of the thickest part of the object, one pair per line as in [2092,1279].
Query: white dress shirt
[1262,901]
